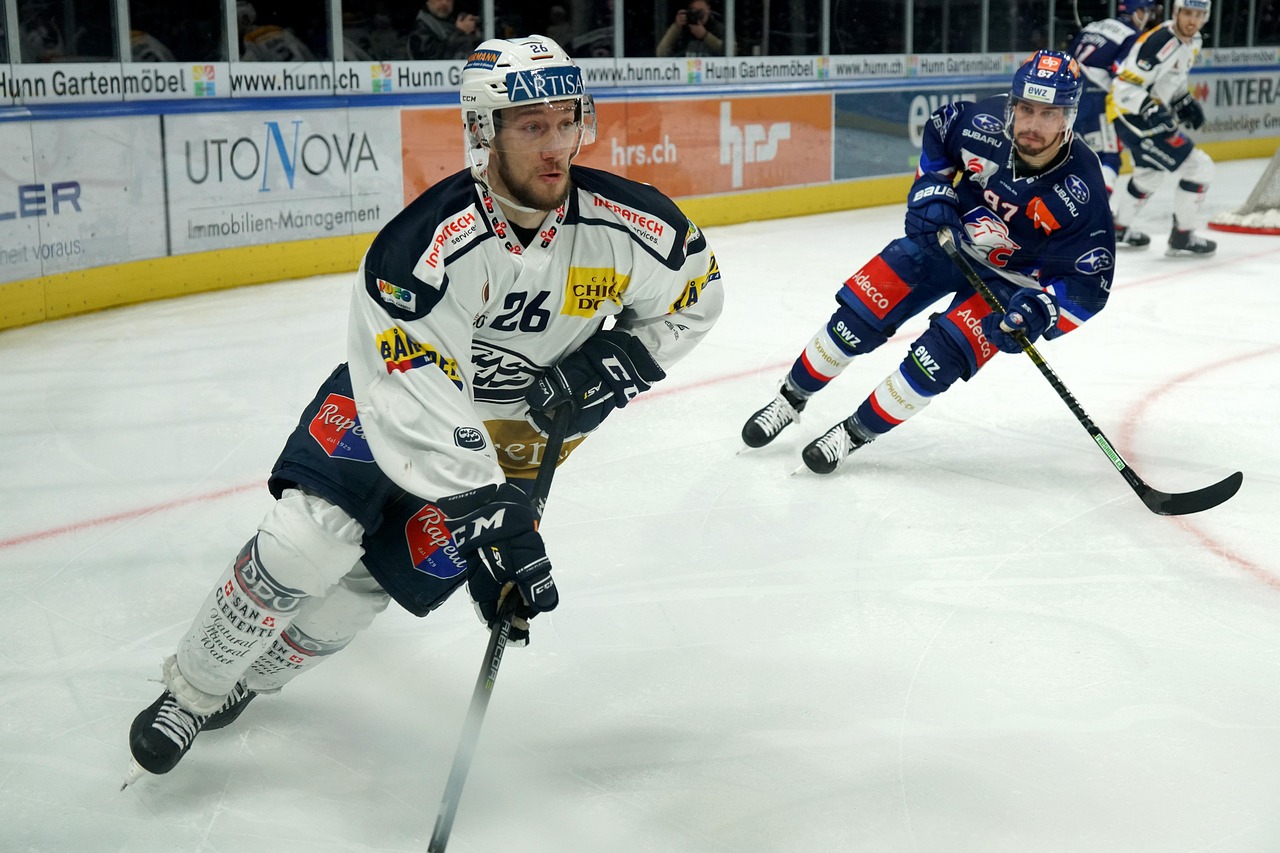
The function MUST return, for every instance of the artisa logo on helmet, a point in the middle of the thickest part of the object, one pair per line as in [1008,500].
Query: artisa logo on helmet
[544,83]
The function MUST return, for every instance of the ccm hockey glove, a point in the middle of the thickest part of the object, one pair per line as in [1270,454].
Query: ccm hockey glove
[1031,311]
[932,205]
[604,374]
[494,529]
[1188,111]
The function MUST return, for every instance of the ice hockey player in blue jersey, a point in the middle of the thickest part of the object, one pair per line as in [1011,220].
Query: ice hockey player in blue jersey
[1026,201]
[1100,47]
[501,293]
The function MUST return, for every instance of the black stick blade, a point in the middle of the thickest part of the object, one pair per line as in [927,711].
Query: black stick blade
[1185,503]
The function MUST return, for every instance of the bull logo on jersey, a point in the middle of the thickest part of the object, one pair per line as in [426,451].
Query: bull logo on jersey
[988,124]
[990,233]
[502,375]
[431,548]
[336,428]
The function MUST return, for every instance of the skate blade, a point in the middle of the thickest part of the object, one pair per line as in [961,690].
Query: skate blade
[133,774]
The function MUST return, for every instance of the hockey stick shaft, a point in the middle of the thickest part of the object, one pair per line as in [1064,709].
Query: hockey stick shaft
[1161,503]
[498,637]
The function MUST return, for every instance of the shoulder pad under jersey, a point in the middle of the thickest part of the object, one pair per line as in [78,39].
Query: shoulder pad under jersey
[405,266]
[653,220]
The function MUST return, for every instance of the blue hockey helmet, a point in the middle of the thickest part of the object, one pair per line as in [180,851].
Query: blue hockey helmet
[1126,8]
[1051,78]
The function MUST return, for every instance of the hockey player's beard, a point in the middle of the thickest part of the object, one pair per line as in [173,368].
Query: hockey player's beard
[1029,147]
[534,192]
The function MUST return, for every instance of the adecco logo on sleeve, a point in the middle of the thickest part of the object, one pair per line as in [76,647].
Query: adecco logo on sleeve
[702,146]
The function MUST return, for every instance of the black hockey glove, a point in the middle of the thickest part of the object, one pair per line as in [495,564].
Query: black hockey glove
[1188,111]
[1156,117]
[493,527]
[932,205]
[604,374]
[1031,311]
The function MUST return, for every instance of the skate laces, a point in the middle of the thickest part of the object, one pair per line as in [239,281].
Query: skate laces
[776,415]
[835,443]
[177,723]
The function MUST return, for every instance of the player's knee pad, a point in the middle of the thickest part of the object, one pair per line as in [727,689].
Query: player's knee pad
[307,543]
[1144,181]
[934,362]
[1197,170]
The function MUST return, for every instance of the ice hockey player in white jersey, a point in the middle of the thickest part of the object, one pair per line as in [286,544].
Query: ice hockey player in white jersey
[1100,47]
[1152,102]
[503,291]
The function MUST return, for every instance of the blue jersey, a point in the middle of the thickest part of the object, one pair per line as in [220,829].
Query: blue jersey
[1051,228]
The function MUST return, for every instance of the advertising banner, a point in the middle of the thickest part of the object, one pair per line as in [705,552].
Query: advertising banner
[1238,105]
[699,146]
[241,179]
[104,82]
[79,194]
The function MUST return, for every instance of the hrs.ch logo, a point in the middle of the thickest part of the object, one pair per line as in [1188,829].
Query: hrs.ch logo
[749,143]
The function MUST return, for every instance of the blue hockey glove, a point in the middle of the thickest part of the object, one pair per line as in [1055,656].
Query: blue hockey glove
[494,529]
[604,374]
[932,204]
[1188,111]
[1031,311]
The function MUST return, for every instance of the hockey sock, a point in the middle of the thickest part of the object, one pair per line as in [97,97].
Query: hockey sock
[829,352]
[239,619]
[1186,204]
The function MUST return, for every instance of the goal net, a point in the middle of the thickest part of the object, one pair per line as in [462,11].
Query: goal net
[1261,213]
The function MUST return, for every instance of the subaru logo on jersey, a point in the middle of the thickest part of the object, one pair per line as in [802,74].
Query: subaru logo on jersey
[1078,188]
[1095,261]
[336,428]
[431,547]
[543,83]
[988,123]
[468,438]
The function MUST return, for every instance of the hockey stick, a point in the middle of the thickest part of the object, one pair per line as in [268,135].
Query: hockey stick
[498,637]
[1161,503]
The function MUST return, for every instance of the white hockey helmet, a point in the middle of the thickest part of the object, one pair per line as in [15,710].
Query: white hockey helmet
[502,73]
[1205,6]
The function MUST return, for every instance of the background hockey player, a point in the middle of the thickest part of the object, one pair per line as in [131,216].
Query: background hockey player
[1151,102]
[479,309]
[1099,48]
[1031,209]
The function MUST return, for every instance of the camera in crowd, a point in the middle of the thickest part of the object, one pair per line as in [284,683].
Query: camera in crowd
[694,16]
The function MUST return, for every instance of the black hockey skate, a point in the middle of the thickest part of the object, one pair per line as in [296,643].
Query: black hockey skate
[764,426]
[825,453]
[163,733]
[1132,238]
[1189,243]
[227,714]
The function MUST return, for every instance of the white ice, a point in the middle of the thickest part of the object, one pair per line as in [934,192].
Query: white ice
[972,638]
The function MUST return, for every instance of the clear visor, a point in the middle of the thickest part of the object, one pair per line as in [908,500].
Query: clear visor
[544,126]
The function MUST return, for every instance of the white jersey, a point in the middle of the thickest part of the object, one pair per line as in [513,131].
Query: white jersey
[1159,64]
[452,319]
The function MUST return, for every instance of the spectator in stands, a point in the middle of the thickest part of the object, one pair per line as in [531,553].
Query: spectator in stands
[559,29]
[144,47]
[268,42]
[440,34]
[694,32]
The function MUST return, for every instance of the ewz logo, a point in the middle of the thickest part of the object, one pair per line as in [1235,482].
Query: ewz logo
[750,143]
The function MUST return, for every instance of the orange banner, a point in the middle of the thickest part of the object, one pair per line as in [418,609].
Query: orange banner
[683,147]
[702,146]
